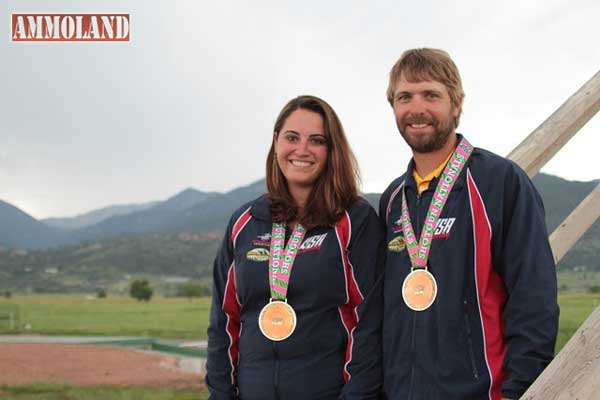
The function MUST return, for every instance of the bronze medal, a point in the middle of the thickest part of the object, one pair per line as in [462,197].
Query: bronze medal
[277,320]
[419,289]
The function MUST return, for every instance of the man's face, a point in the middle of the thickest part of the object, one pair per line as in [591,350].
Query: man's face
[424,114]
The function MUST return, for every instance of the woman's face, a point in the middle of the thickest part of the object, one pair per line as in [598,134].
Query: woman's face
[301,148]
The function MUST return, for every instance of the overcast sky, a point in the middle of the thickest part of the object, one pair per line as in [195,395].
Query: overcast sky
[191,100]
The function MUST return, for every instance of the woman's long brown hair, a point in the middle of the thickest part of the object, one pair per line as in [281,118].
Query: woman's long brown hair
[334,191]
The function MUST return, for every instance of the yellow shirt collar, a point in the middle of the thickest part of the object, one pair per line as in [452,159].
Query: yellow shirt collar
[423,183]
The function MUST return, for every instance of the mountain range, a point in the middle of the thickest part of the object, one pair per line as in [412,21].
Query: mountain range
[188,211]
[179,237]
[96,216]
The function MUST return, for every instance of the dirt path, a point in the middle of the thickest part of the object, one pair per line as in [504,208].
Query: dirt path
[87,365]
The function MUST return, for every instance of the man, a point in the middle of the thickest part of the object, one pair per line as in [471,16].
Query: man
[470,308]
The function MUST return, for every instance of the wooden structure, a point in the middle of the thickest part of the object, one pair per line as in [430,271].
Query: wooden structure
[575,372]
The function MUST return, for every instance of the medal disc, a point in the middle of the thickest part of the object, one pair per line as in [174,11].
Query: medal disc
[419,290]
[277,320]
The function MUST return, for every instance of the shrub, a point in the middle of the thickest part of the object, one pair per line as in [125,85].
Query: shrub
[141,290]
[193,289]
[594,289]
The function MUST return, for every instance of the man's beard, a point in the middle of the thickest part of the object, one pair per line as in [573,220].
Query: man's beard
[426,143]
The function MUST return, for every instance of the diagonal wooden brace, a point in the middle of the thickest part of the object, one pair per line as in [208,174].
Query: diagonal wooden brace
[544,142]
[575,225]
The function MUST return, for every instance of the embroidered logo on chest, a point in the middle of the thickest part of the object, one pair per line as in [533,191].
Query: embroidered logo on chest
[262,240]
[397,226]
[258,254]
[397,244]
[312,243]
[442,228]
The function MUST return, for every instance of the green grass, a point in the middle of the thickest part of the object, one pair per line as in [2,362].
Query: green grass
[577,282]
[174,318]
[163,318]
[65,392]
[574,310]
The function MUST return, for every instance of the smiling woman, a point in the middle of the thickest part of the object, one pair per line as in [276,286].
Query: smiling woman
[301,150]
[312,174]
[312,334]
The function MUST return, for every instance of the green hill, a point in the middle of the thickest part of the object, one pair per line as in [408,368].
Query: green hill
[112,264]
[156,243]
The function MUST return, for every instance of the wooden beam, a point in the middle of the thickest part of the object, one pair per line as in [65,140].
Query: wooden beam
[575,225]
[574,372]
[544,142]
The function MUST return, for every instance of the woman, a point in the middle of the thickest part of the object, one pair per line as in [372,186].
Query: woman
[306,335]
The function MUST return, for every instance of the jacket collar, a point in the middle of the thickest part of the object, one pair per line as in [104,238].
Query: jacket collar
[409,179]
[261,208]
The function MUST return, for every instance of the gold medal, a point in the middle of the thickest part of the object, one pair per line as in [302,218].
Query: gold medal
[277,320]
[419,289]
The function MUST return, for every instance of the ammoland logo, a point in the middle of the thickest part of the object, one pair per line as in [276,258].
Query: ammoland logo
[70,28]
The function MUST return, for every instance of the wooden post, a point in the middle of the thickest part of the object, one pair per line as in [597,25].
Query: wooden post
[575,372]
[544,142]
[575,225]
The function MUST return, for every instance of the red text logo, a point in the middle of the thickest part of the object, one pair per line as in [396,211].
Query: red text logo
[70,28]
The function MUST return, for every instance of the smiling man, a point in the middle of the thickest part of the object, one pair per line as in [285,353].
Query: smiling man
[470,287]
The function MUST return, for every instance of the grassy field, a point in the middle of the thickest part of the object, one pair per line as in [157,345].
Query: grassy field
[60,392]
[174,318]
[177,318]
[162,318]
[578,282]
[574,310]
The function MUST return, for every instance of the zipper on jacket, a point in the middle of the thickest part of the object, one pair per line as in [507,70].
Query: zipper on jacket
[414,324]
[276,377]
[470,343]
[413,352]
[419,224]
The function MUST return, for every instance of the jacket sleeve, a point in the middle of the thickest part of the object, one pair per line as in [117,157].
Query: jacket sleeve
[366,255]
[223,329]
[524,260]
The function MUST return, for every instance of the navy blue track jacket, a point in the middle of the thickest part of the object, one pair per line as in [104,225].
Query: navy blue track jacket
[335,350]
[492,328]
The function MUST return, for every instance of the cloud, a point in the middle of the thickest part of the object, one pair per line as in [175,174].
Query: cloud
[192,99]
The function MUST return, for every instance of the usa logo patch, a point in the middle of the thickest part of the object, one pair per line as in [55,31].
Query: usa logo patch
[312,243]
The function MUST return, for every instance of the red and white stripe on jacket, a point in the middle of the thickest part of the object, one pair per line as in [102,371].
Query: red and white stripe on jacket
[491,294]
[348,311]
[231,304]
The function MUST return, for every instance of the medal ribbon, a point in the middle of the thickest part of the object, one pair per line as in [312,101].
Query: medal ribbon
[282,259]
[419,252]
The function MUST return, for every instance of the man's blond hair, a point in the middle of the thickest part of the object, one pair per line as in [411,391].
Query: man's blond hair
[427,64]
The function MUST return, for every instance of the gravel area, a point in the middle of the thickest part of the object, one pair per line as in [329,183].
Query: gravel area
[90,365]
